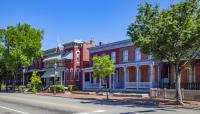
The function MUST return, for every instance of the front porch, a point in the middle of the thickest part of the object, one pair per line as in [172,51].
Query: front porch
[130,76]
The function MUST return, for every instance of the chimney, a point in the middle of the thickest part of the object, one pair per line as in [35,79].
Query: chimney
[101,43]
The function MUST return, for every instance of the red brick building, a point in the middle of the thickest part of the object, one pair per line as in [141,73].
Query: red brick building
[69,62]
[133,69]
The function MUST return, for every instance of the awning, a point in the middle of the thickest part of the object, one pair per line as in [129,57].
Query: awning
[49,74]
[65,55]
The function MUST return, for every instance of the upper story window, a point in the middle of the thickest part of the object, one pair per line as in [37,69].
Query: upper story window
[125,56]
[137,54]
[113,57]
[78,56]
[77,74]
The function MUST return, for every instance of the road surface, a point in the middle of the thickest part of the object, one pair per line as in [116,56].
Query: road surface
[13,103]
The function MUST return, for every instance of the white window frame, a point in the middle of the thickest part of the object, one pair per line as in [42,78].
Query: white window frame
[78,55]
[71,74]
[137,54]
[125,55]
[113,56]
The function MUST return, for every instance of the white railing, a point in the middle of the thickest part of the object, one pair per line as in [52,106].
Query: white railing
[138,84]
[89,85]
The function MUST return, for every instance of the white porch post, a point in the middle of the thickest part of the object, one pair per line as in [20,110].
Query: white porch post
[61,78]
[124,76]
[99,83]
[158,75]
[137,77]
[152,74]
[83,80]
[110,81]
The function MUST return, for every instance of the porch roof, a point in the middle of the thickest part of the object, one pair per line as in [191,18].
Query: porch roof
[49,74]
[66,55]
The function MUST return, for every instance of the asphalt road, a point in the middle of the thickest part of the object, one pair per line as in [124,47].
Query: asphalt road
[12,103]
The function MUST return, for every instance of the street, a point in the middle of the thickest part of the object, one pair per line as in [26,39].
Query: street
[14,103]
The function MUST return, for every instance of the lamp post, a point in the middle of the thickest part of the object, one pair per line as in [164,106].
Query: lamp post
[23,80]
[55,67]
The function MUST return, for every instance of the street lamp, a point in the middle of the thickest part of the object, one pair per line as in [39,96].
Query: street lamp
[55,67]
[23,70]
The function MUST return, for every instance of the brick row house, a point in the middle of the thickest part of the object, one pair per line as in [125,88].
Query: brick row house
[69,63]
[137,71]
[134,70]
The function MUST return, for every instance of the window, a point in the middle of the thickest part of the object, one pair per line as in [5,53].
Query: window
[113,57]
[149,57]
[125,56]
[137,54]
[77,74]
[78,56]
[71,74]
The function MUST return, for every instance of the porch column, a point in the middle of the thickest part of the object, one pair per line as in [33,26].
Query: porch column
[61,78]
[110,81]
[137,77]
[83,80]
[159,75]
[152,74]
[124,76]
[99,82]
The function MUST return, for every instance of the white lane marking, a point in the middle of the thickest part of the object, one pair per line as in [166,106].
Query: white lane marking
[14,110]
[97,111]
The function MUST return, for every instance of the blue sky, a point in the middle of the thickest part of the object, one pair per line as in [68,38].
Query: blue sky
[66,20]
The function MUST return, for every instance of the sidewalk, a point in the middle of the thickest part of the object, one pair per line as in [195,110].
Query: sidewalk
[119,100]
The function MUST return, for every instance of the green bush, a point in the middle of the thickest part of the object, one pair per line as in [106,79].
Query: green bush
[21,88]
[3,87]
[70,88]
[59,88]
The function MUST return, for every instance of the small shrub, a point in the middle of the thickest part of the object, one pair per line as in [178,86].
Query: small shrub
[70,88]
[21,88]
[34,90]
[59,88]
[3,87]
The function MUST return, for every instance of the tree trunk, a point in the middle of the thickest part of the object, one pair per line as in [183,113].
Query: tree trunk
[106,89]
[179,99]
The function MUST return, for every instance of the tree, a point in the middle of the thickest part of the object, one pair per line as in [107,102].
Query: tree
[103,67]
[35,81]
[21,44]
[171,35]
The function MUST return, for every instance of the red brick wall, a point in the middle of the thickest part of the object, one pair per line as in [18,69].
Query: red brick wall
[144,73]
[156,73]
[197,72]
[132,74]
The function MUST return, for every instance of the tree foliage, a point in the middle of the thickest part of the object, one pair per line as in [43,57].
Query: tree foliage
[35,81]
[19,46]
[171,34]
[103,66]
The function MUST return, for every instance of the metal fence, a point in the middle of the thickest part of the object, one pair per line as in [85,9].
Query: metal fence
[191,86]
[171,93]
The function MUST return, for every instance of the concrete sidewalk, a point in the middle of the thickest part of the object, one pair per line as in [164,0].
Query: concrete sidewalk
[127,100]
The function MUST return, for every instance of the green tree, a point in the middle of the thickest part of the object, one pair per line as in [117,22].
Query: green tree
[102,68]
[20,45]
[35,82]
[171,34]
